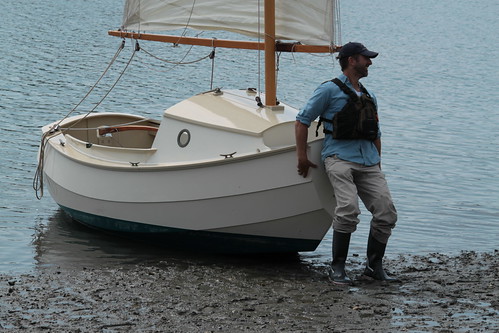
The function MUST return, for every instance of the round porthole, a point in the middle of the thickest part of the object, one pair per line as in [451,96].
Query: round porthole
[183,138]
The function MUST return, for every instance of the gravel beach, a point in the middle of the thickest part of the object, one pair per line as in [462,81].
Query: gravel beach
[437,293]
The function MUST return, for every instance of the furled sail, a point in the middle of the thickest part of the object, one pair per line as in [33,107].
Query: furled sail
[310,22]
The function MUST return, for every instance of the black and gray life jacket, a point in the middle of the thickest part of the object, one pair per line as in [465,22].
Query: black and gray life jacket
[357,120]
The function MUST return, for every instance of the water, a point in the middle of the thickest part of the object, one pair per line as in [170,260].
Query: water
[435,80]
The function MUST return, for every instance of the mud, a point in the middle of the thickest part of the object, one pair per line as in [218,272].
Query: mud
[436,293]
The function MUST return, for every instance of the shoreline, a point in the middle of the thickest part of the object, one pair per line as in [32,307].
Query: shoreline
[437,292]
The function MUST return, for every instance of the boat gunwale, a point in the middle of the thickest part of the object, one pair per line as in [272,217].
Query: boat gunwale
[75,119]
[127,166]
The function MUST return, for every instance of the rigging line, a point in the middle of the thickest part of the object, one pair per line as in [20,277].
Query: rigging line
[140,14]
[212,57]
[38,177]
[337,20]
[259,97]
[120,48]
[278,63]
[188,22]
[137,48]
[186,54]
[175,62]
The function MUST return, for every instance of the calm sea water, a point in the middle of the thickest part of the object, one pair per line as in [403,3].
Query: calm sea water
[436,81]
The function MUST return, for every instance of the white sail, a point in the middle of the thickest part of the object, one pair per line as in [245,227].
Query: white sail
[307,21]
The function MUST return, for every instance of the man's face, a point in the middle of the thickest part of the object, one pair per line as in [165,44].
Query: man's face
[360,65]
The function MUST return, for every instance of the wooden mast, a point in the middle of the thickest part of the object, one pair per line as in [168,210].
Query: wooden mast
[270,49]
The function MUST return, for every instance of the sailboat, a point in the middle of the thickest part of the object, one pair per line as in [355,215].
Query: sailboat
[218,172]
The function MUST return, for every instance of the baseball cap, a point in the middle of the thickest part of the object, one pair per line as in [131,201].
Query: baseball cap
[353,48]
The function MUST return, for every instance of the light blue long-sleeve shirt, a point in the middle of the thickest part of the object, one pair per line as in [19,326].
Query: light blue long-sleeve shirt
[327,100]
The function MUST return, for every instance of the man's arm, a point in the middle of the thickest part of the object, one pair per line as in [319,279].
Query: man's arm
[377,144]
[301,134]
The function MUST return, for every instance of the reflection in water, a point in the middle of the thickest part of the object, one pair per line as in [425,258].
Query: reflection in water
[64,243]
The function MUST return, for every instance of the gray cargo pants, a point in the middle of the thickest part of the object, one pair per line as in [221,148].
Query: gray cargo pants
[351,181]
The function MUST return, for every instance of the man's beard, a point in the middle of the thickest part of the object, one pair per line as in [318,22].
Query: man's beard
[362,71]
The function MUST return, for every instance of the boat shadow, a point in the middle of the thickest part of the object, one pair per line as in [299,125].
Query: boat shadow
[63,243]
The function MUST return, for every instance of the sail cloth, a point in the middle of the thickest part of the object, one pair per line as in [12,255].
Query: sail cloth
[307,21]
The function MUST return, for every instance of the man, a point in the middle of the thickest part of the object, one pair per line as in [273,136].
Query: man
[352,160]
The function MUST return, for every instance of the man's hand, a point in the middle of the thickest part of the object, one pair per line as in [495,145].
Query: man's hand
[301,132]
[303,166]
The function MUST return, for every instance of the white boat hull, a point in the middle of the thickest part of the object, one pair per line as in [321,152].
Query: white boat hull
[252,203]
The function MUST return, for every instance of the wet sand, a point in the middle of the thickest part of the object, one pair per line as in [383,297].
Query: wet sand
[437,293]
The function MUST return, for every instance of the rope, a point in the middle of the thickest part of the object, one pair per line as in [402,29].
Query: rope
[337,27]
[212,57]
[181,62]
[277,66]
[38,177]
[258,98]
[120,48]
[137,48]
[188,20]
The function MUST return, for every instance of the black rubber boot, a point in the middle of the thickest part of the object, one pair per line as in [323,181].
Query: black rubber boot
[374,265]
[341,242]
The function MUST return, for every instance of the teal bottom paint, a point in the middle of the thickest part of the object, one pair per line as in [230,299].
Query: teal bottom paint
[192,240]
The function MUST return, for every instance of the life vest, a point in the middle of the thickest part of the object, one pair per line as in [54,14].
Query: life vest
[358,119]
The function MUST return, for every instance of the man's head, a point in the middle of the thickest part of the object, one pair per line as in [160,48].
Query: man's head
[352,52]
